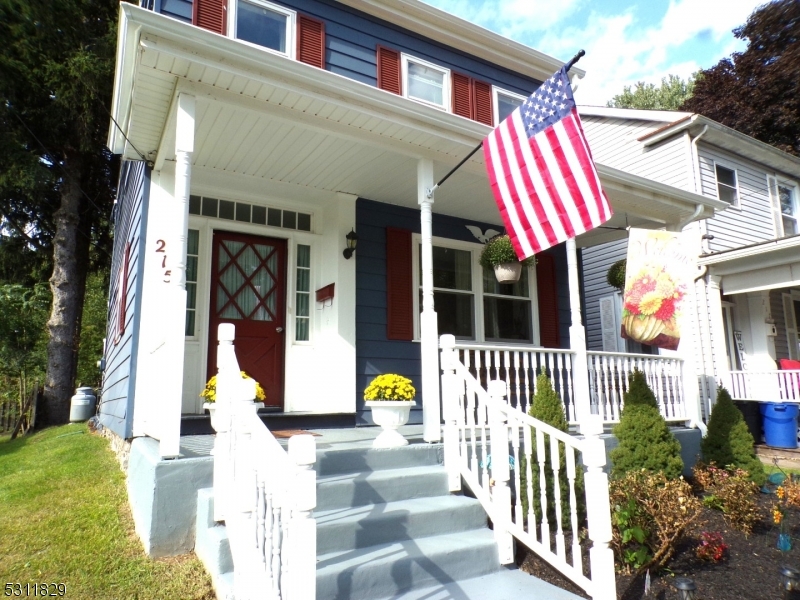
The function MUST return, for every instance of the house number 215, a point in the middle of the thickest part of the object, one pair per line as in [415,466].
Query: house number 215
[162,249]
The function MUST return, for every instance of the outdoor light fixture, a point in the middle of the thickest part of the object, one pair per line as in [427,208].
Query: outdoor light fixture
[790,580]
[351,238]
[686,588]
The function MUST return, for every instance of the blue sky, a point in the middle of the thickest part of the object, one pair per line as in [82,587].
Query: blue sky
[625,40]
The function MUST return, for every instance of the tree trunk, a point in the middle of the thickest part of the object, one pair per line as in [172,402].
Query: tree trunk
[68,285]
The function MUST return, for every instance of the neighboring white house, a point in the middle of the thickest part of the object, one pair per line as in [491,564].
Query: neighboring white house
[747,286]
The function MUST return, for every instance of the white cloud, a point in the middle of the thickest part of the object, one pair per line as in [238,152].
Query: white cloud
[621,48]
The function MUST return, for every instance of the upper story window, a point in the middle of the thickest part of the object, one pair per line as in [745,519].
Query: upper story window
[505,103]
[787,194]
[727,188]
[264,24]
[426,82]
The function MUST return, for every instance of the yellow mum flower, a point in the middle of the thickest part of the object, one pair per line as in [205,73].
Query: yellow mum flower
[650,303]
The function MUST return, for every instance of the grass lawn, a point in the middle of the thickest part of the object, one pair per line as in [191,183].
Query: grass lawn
[64,518]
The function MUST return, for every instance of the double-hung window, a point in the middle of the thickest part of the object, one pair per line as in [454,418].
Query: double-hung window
[426,82]
[505,103]
[469,302]
[727,186]
[787,195]
[263,24]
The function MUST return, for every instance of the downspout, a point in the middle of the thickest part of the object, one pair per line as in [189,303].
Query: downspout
[698,181]
[697,421]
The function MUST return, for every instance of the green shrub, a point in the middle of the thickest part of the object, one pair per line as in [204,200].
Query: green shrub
[616,274]
[499,250]
[728,441]
[548,407]
[645,441]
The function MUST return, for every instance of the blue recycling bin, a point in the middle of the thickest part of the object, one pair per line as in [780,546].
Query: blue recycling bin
[780,424]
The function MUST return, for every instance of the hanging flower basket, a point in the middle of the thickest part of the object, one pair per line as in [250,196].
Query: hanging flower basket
[499,254]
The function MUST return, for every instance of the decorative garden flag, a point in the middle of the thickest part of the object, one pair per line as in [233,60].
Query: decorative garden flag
[658,274]
[541,171]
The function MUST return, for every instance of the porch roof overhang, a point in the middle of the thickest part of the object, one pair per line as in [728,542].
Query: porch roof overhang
[767,265]
[264,121]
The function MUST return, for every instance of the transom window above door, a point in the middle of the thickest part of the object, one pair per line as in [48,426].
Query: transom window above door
[264,24]
[426,82]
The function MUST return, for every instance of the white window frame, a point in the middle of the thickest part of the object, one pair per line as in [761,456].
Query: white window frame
[446,94]
[789,184]
[477,291]
[717,163]
[496,91]
[291,25]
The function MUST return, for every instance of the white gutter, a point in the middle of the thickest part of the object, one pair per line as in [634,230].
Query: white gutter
[697,212]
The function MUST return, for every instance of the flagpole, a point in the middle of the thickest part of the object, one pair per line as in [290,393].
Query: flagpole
[568,66]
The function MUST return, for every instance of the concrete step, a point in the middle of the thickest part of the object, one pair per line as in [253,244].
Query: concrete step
[507,583]
[349,490]
[390,570]
[364,459]
[341,529]
[211,545]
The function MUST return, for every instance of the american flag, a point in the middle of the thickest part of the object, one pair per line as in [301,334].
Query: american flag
[541,171]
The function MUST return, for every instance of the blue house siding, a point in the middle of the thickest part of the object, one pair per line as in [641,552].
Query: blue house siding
[116,400]
[375,354]
[351,37]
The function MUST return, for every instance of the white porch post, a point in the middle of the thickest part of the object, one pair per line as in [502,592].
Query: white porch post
[428,325]
[577,339]
[175,303]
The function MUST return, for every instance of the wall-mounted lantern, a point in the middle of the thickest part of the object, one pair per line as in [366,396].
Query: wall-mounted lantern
[352,239]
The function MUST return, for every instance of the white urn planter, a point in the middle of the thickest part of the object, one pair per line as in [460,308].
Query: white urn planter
[508,272]
[390,415]
[211,407]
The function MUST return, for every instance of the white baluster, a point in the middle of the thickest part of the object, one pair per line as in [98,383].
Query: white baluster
[526,369]
[540,456]
[598,509]
[528,449]
[501,491]
[517,375]
[514,432]
[555,465]
[577,563]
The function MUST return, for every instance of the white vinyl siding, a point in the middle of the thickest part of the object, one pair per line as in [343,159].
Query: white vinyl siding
[752,220]
[614,142]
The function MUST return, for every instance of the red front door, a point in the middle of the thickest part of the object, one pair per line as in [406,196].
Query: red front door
[248,289]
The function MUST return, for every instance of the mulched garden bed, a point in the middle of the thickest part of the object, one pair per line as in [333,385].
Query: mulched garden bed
[750,571]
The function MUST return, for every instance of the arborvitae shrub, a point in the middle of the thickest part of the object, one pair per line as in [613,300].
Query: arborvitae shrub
[548,407]
[728,441]
[638,391]
[645,441]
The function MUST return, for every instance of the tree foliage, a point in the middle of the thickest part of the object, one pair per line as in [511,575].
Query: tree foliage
[670,95]
[728,441]
[645,441]
[57,182]
[755,91]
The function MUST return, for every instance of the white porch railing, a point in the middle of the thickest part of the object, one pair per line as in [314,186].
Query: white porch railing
[608,381]
[264,494]
[608,372]
[764,386]
[484,435]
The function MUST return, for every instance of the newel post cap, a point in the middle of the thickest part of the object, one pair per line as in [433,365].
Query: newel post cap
[303,449]
[226,332]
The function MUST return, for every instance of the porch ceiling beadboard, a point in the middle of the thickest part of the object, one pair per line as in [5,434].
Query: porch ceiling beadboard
[274,120]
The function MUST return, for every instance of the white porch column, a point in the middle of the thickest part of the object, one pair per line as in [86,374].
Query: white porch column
[175,303]
[577,339]
[428,325]
[717,326]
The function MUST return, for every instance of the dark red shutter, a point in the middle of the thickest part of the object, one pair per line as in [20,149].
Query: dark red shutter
[399,285]
[482,103]
[122,294]
[389,70]
[211,15]
[462,95]
[311,41]
[548,301]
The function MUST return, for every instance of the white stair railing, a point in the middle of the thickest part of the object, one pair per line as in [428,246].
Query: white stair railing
[485,437]
[264,494]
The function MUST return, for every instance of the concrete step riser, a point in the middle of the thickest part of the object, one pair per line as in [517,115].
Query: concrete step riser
[349,492]
[403,570]
[333,462]
[211,544]
[382,524]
